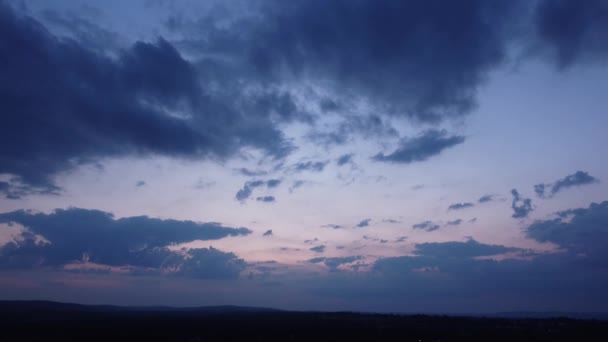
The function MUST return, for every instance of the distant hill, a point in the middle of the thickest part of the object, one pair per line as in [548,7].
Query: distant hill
[50,321]
[42,305]
[557,314]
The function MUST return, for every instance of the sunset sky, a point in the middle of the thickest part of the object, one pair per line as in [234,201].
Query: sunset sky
[391,156]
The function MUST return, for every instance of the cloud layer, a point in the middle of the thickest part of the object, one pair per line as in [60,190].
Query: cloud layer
[65,105]
[80,235]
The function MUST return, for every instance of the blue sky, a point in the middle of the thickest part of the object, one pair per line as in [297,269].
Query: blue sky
[407,156]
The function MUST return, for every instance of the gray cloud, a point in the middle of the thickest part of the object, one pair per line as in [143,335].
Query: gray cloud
[363,223]
[368,127]
[583,231]
[475,271]
[486,198]
[422,147]
[316,260]
[273,183]
[468,249]
[76,234]
[401,239]
[576,179]
[428,226]
[296,184]
[344,159]
[334,263]
[251,173]
[140,183]
[446,269]
[459,206]
[318,249]
[247,190]
[211,263]
[454,222]
[332,226]
[539,189]
[521,206]
[311,166]
[267,199]
[268,233]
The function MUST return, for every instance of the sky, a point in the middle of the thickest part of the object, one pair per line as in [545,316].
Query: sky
[382,156]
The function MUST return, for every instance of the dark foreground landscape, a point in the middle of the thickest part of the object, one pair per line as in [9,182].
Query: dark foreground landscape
[48,321]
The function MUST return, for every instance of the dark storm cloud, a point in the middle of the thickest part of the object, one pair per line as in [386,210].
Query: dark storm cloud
[583,232]
[573,31]
[426,226]
[318,249]
[79,234]
[344,159]
[65,105]
[311,166]
[576,179]
[82,30]
[521,206]
[422,147]
[459,206]
[363,223]
[380,48]
[65,102]
[266,199]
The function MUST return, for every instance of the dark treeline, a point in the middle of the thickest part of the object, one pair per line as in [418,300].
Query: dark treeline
[44,321]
